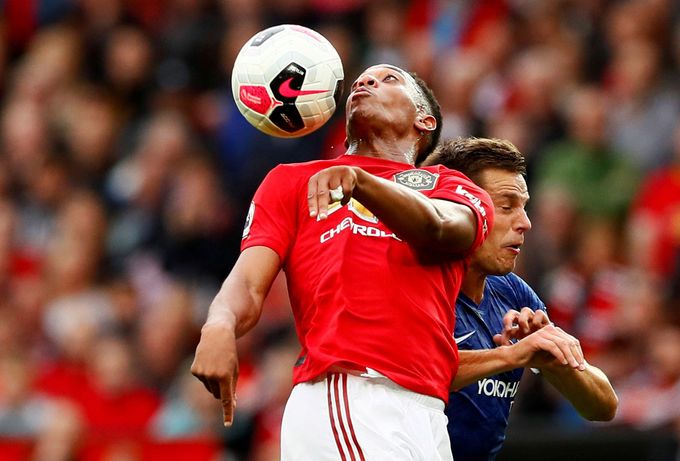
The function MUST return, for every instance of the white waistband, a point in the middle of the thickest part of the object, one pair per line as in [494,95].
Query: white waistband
[376,377]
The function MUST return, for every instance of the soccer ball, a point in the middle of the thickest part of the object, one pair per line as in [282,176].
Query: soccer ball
[287,80]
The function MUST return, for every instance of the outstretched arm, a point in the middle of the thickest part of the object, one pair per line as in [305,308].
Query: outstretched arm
[234,311]
[427,224]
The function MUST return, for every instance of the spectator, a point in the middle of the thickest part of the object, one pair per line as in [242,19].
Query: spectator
[598,180]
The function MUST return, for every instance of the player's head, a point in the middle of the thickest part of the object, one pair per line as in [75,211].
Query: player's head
[499,168]
[389,97]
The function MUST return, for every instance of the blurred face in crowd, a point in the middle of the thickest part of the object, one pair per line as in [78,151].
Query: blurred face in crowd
[587,116]
[664,354]
[90,136]
[24,137]
[111,365]
[128,57]
[636,68]
[498,254]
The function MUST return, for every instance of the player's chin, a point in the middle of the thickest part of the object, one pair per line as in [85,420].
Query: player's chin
[357,105]
[506,265]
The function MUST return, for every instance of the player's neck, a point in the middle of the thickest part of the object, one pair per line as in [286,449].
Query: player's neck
[473,285]
[389,148]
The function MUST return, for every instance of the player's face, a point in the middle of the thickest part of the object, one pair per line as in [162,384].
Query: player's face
[498,254]
[386,94]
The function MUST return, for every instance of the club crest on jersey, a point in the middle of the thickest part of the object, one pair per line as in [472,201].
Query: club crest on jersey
[417,179]
[249,220]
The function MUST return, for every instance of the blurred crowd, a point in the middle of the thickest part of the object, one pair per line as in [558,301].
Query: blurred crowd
[126,172]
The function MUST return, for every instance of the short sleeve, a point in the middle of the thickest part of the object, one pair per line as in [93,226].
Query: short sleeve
[271,220]
[456,187]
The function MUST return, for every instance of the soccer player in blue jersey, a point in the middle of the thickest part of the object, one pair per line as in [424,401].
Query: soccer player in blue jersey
[501,324]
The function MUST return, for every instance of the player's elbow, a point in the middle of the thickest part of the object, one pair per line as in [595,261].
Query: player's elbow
[605,411]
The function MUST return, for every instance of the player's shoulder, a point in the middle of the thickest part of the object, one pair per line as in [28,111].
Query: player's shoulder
[303,166]
[513,286]
[461,183]
[444,171]
[297,171]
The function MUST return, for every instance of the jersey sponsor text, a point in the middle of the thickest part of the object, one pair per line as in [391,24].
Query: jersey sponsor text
[497,388]
[358,229]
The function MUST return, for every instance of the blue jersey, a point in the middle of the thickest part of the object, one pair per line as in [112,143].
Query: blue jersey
[478,414]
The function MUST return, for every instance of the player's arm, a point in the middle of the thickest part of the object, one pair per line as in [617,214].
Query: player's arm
[474,365]
[550,344]
[589,391]
[428,224]
[235,310]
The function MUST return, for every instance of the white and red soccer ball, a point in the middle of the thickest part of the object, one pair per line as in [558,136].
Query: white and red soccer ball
[287,80]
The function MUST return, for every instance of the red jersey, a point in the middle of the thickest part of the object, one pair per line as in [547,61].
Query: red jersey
[362,297]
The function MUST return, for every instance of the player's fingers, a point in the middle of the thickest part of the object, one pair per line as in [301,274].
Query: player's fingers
[550,346]
[501,340]
[578,355]
[510,320]
[335,191]
[539,320]
[323,189]
[206,384]
[228,399]
[347,189]
[565,343]
[524,320]
[312,200]
[576,349]
[212,386]
[336,194]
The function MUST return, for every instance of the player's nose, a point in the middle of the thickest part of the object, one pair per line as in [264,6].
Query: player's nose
[366,80]
[523,223]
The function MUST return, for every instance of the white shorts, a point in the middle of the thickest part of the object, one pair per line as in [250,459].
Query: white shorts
[344,417]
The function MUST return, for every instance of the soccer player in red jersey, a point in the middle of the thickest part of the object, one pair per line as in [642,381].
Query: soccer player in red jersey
[374,251]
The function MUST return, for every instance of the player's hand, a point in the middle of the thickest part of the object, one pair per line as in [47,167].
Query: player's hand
[216,366]
[334,184]
[549,346]
[518,325]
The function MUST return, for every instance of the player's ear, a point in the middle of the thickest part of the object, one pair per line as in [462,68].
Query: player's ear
[426,123]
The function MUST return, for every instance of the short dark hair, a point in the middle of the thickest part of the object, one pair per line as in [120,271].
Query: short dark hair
[434,110]
[472,156]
